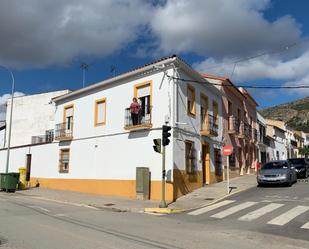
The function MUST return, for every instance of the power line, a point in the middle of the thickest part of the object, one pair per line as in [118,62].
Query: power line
[236,61]
[244,86]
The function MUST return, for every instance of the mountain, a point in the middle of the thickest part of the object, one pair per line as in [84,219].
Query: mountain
[295,114]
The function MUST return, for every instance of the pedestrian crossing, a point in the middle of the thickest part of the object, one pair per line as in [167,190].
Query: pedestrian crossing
[282,214]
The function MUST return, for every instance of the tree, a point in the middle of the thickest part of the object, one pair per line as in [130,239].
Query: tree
[304,151]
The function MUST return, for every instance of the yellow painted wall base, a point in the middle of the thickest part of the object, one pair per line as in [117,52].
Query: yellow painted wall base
[124,188]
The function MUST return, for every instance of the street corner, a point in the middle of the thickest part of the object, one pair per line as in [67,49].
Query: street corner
[164,210]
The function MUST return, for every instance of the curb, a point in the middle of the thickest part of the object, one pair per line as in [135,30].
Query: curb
[215,201]
[163,210]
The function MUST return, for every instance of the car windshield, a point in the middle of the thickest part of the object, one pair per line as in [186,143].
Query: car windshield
[275,165]
[297,161]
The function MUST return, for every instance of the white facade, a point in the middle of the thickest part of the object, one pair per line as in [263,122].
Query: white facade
[103,158]
[2,134]
[33,115]
[279,139]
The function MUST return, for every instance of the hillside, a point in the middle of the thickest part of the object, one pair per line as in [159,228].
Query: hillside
[295,114]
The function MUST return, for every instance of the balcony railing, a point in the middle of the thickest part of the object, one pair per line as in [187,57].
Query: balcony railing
[266,141]
[247,131]
[233,125]
[48,138]
[209,125]
[254,135]
[294,143]
[64,131]
[141,120]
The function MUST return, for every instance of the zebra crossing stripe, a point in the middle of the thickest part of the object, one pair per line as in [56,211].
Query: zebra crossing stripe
[288,216]
[211,207]
[260,212]
[234,209]
[306,226]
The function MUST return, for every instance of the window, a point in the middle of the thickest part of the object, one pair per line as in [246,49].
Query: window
[204,112]
[218,162]
[143,93]
[68,117]
[230,115]
[64,160]
[190,157]
[100,112]
[215,109]
[191,100]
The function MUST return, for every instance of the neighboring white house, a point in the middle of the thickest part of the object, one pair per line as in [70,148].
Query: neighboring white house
[279,139]
[265,143]
[98,148]
[33,118]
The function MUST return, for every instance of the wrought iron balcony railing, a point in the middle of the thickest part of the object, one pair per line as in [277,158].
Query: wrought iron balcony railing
[233,125]
[48,138]
[64,131]
[142,119]
[209,125]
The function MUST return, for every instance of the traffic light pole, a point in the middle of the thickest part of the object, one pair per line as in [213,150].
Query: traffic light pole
[163,202]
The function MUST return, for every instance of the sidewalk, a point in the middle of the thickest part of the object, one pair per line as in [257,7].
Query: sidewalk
[199,198]
[212,193]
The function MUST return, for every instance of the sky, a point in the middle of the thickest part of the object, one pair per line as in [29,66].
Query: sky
[44,42]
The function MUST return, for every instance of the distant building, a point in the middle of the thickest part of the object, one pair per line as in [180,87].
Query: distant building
[279,138]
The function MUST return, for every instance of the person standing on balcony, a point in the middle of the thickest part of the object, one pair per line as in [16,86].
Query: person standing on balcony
[135,109]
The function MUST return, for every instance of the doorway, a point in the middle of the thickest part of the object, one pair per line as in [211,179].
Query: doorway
[206,163]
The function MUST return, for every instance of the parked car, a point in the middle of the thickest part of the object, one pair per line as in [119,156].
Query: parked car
[301,166]
[277,172]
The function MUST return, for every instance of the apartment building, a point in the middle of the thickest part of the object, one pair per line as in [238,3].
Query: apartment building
[98,146]
[239,125]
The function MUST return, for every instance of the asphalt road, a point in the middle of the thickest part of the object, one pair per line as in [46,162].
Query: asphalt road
[276,210]
[33,223]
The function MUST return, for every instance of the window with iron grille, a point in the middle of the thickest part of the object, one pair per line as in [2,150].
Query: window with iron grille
[191,100]
[64,160]
[190,157]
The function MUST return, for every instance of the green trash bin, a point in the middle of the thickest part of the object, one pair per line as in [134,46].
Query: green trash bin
[1,181]
[9,181]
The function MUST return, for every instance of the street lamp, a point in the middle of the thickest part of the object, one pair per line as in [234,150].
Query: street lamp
[10,126]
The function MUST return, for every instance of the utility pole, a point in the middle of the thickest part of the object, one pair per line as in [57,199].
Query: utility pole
[11,114]
[84,66]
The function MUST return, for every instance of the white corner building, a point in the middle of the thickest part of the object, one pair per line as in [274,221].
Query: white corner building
[99,148]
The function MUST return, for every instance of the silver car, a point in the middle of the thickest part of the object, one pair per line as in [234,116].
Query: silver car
[277,172]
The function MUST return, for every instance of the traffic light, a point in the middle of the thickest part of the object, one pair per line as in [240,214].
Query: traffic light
[157,145]
[165,135]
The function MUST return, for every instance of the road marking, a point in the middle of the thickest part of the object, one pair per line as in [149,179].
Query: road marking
[66,202]
[288,216]
[43,209]
[234,209]
[211,207]
[260,212]
[306,226]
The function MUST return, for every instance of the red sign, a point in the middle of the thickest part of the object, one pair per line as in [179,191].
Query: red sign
[227,150]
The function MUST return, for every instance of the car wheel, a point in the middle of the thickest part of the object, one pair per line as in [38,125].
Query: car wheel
[290,183]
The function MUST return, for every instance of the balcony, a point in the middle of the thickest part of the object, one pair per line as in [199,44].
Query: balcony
[140,121]
[233,125]
[294,143]
[209,126]
[43,139]
[64,131]
[247,131]
[266,141]
[254,135]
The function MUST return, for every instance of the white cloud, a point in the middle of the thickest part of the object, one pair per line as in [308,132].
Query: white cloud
[266,67]
[220,28]
[3,100]
[44,32]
